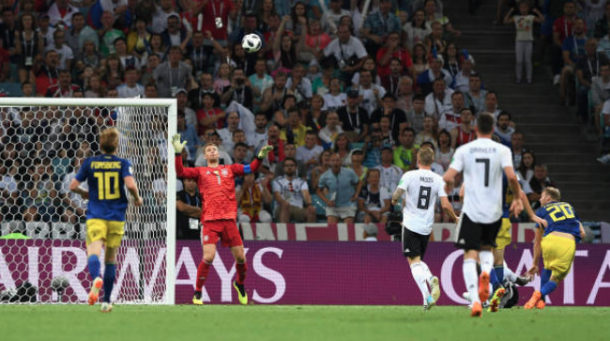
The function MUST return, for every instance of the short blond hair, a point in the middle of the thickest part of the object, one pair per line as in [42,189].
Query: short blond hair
[553,192]
[425,156]
[209,144]
[109,140]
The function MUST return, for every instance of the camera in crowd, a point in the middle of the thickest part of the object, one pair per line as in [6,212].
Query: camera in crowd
[394,225]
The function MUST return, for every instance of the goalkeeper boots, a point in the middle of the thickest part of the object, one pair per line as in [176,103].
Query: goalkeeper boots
[94,293]
[197,300]
[241,293]
[106,307]
[494,304]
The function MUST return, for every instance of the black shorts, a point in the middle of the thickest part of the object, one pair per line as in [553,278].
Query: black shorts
[414,244]
[471,235]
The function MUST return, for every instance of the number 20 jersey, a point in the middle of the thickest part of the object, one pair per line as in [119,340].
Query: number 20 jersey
[482,161]
[423,188]
[104,175]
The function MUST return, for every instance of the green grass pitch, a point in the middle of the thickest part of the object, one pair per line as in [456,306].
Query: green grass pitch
[291,323]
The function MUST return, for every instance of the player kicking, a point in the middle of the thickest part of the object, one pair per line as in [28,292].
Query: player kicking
[561,229]
[107,176]
[422,187]
[216,183]
[483,162]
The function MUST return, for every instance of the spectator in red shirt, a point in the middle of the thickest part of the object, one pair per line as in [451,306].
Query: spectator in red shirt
[216,15]
[45,70]
[392,49]
[64,88]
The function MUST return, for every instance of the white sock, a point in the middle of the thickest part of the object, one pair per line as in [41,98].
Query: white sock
[487,261]
[471,279]
[420,278]
[509,274]
[427,272]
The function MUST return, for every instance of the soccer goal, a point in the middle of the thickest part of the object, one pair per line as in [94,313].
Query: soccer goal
[42,144]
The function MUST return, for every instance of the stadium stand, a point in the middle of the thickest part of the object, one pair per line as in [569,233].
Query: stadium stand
[143,48]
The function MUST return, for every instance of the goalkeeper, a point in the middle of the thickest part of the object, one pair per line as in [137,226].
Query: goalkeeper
[216,183]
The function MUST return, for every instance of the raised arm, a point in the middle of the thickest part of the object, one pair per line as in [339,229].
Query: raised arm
[181,171]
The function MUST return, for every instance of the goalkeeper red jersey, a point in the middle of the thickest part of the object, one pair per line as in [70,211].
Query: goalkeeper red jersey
[217,187]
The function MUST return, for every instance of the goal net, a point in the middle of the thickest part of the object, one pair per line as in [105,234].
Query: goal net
[42,224]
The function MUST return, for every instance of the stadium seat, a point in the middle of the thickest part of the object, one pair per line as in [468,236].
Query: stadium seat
[9,227]
[62,231]
[37,230]
[11,89]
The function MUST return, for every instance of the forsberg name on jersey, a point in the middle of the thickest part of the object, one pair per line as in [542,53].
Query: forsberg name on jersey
[488,150]
[105,165]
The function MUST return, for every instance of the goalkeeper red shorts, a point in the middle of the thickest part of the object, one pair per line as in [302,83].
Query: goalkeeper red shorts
[226,230]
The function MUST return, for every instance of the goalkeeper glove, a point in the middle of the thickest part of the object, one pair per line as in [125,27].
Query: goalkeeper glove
[178,146]
[264,151]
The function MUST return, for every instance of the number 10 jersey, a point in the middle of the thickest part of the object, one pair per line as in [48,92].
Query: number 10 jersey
[423,188]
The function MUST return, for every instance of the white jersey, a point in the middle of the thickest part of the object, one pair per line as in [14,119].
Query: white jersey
[423,187]
[483,162]
[291,191]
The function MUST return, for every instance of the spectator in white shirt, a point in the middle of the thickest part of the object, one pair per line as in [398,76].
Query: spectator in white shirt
[292,196]
[310,152]
[390,173]
[451,118]
[329,133]
[334,99]
[64,51]
[439,100]
[370,94]
[347,50]
[298,84]
[226,134]
[131,88]
[373,200]
[503,129]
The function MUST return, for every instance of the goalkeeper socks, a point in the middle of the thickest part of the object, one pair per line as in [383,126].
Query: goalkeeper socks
[241,268]
[93,262]
[548,288]
[487,261]
[419,275]
[202,273]
[109,276]
[471,278]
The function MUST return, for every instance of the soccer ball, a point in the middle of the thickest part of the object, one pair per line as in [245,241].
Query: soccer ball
[251,43]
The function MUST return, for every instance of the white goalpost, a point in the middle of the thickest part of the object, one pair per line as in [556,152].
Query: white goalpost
[42,144]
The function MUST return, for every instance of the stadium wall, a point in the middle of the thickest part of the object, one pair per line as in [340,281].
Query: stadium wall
[335,273]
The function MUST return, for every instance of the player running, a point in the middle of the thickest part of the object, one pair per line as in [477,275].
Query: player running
[107,176]
[422,187]
[561,229]
[483,162]
[216,183]
[504,238]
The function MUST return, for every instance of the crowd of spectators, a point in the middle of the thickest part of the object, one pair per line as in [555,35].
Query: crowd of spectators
[345,100]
